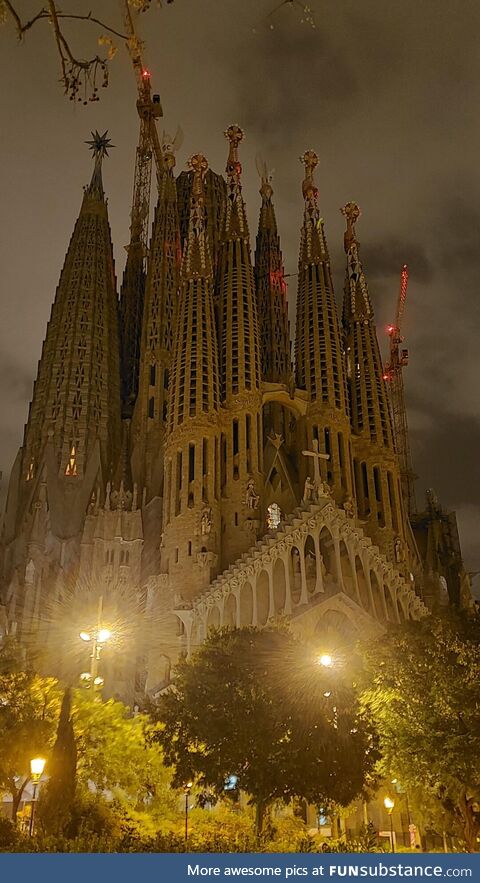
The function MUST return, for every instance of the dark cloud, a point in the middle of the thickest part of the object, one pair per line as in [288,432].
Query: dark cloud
[436,448]
[312,79]
[16,382]
[383,256]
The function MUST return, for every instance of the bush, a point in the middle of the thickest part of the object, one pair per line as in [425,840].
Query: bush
[11,838]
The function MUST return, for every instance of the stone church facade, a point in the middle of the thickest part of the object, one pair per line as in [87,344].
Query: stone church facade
[220,483]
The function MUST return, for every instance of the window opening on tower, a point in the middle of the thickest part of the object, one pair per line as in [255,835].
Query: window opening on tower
[71,467]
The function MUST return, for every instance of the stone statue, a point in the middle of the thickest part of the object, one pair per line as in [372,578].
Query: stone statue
[252,499]
[398,550]
[349,508]
[309,490]
[206,521]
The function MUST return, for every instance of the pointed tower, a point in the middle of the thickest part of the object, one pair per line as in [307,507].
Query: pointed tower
[159,315]
[241,440]
[74,420]
[72,436]
[319,359]
[376,473]
[271,289]
[191,513]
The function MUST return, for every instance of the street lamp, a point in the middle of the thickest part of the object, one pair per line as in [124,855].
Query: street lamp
[97,638]
[187,788]
[37,766]
[389,805]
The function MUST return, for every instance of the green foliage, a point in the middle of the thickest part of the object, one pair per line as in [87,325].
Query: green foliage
[118,753]
[423,695]
[28,713]
[11,840]
[254,703]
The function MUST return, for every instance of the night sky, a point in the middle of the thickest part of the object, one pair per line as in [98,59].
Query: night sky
[387,93]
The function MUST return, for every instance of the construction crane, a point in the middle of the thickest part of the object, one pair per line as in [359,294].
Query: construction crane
[394,376]
[132,292]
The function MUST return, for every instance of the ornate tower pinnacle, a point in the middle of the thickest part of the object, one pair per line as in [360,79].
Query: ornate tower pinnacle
[235,219]
[351,211]
[358,303]
[196,259]
[99,145]
[235,135]
[310,161]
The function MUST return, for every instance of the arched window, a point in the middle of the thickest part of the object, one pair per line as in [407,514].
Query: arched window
[274,516]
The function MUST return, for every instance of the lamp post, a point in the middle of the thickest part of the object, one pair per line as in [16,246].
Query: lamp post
[389,805]
[97,637]
[187,788]
[37,766]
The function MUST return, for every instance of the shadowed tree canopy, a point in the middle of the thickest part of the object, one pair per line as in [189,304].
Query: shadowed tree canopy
[423,696]
[255,704]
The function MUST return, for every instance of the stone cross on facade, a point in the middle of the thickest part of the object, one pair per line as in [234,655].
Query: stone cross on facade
[317,456]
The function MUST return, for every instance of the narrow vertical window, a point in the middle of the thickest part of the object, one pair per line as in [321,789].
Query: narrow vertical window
[71,467]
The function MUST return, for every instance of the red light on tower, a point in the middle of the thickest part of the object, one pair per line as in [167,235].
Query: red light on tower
[145,74]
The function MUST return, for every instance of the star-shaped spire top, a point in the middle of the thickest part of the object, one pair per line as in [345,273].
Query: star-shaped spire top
[100,144]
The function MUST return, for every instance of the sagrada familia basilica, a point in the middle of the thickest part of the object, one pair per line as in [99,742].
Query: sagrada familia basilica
[175,453]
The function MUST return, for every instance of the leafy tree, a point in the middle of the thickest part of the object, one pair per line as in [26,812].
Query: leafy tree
[97,743]
[117,752]
[423,696]
[28,713]
[254,704]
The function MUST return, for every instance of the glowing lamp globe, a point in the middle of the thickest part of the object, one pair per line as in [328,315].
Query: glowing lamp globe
[37,766]
[326,660]
[103,635]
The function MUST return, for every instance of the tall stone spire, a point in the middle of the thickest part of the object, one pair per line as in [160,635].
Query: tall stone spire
[72,436]
[375,462]
[191,515]
[158,330]
[271,294]
[241,441]
[319,359]
[240,353]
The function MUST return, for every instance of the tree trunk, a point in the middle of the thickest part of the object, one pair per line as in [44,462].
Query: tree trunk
[260,808]
[470,826]
[16,799]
